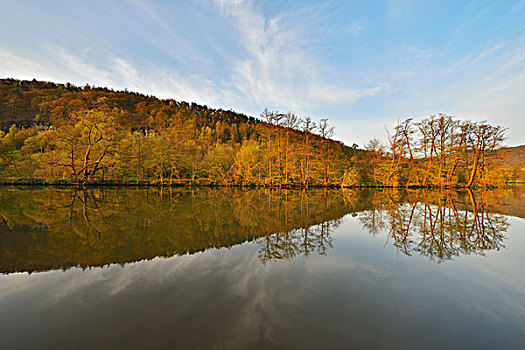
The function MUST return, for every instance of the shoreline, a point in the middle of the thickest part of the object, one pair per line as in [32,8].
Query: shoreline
[207,184]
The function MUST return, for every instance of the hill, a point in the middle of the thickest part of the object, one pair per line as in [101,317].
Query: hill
[25,103]
[513,159]
[61,132]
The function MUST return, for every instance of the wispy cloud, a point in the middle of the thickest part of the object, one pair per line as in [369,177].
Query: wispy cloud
[12,65]
[276,65]
[115,72]
[355,28]
[397,8]
[338,95]
[487,85]
[165,83]
[358,65]
[279,69]
[82,69]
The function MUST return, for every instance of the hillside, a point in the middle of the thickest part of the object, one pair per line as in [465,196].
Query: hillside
[61,132]
[26,103]
[514,158]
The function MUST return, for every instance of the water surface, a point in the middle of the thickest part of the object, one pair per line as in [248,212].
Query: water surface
[230,268]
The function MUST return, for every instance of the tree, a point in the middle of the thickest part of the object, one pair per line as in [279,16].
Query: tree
[308,127]
[291,122]
[482,141]
[83,145]
[326,131]
[375,155]
[247,161]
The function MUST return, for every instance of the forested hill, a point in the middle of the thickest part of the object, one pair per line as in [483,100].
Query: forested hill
[514,158]
[26,103]
[61,132]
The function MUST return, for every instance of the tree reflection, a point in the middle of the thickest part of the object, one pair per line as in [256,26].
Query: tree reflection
[308,238]
[58,229]
[439,225]
[62,228]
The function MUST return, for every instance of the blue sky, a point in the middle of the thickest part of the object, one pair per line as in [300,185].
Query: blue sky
[362,64]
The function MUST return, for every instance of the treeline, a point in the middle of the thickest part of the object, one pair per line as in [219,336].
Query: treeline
[25,103]
[440,151]
[60,133]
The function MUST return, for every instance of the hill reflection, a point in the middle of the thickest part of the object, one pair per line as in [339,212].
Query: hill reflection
[48,229]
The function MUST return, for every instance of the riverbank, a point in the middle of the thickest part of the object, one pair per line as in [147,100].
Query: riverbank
[208,183]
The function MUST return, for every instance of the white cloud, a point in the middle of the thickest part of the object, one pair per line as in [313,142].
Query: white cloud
[127,71]
[336,94]
[15,66]
[484,86]
[241,55]
[115,72]
[355,28]
[397,8]
[82,69]
[279,68]
[275,62]
[165,83]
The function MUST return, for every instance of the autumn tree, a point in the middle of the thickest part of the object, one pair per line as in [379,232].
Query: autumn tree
[326,131]
[83,145]
[308,127]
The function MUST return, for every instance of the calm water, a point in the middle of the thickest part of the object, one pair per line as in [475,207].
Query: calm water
[141,268]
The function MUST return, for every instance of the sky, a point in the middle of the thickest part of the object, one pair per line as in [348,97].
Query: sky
[361,64]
